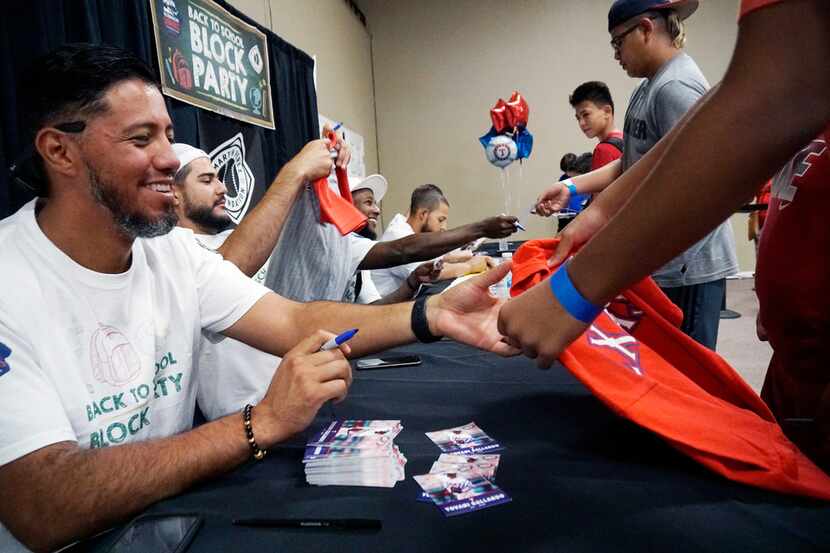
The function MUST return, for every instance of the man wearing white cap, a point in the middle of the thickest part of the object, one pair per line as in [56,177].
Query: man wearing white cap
[367,195]
[200,201]
[231,373]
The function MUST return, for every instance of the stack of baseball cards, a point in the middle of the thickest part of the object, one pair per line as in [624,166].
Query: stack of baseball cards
[355,453]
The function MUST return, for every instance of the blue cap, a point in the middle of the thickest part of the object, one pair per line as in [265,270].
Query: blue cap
[345,337]
[623,10]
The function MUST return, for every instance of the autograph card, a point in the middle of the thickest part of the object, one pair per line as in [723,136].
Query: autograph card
[464,440]
[485,465]
[458,493]
[357,434]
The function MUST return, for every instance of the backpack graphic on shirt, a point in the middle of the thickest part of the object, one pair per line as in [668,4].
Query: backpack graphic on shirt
[113,358]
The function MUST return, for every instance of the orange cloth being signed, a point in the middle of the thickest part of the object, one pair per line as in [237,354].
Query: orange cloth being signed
[338,209]
[635,359]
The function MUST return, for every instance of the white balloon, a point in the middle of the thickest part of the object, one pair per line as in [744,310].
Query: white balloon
[501,151]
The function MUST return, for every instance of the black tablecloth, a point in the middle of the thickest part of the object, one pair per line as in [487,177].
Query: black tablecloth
[581,478]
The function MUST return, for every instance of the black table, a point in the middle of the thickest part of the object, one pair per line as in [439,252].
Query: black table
[581,478]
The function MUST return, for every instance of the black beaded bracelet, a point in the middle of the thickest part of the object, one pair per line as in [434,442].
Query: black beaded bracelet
[259,454]
[418,321]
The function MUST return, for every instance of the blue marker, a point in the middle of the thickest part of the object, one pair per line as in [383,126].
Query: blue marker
[519,226]
[337,126]
[337,340]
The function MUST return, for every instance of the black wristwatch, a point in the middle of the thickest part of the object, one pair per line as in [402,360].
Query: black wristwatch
[420,326]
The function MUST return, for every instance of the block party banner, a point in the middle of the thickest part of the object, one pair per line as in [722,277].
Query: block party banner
[213,60]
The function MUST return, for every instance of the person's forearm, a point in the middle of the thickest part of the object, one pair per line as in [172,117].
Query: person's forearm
[455,270]
[598,179]
[420,247]
[249,246]
[88,490]
[381,326]
[771,103]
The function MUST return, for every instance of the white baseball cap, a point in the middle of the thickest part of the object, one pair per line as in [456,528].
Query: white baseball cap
[187,153]
[376,183]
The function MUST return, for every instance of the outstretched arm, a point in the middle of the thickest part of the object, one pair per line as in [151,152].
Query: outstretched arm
[774,96]
[555,197]
[429,245]
[467,313]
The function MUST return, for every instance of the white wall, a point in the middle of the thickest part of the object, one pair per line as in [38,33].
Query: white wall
[440,66]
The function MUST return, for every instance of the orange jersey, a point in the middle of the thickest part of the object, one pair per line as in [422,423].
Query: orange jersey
[635,359]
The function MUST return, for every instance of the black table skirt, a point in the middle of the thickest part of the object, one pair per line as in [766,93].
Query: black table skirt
[581,478]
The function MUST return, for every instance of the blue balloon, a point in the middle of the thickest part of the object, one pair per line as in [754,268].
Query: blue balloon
[485,140]
[524,141]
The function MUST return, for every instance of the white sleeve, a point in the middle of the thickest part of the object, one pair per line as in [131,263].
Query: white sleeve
[360,247]
[33,414]
[368,290]
[401,272]
[225,293]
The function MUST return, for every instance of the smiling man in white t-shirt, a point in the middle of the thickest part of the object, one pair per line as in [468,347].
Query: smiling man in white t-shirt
[109,303]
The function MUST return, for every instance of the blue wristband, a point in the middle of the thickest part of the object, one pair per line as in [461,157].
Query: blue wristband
[569,184]
[572,301]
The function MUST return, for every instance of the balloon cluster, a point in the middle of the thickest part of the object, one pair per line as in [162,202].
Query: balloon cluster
[508,138]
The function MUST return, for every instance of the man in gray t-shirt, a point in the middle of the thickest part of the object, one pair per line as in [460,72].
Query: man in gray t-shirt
[656,106]
[647,37]
[673,83]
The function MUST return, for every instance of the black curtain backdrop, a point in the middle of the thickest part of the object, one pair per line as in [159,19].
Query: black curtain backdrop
[33,27]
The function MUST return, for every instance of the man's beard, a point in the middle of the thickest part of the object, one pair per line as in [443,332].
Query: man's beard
[133,225]
[367,232]
[205,217]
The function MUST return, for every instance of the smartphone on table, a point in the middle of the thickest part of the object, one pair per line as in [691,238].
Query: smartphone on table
[158,534]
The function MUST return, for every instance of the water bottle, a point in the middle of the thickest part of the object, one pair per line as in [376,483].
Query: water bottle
[501,289]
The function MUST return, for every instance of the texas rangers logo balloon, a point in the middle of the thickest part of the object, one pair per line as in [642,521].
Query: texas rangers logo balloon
[508,138]
[501,151]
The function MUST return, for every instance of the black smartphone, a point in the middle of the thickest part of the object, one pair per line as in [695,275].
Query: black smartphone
[158,533]
[388,361]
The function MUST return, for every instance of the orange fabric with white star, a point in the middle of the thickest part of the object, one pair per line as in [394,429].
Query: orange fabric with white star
[659,378]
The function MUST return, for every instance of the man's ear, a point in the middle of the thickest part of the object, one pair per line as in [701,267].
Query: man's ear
[607,109]
[177,196]
[649,27]
[59,152]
